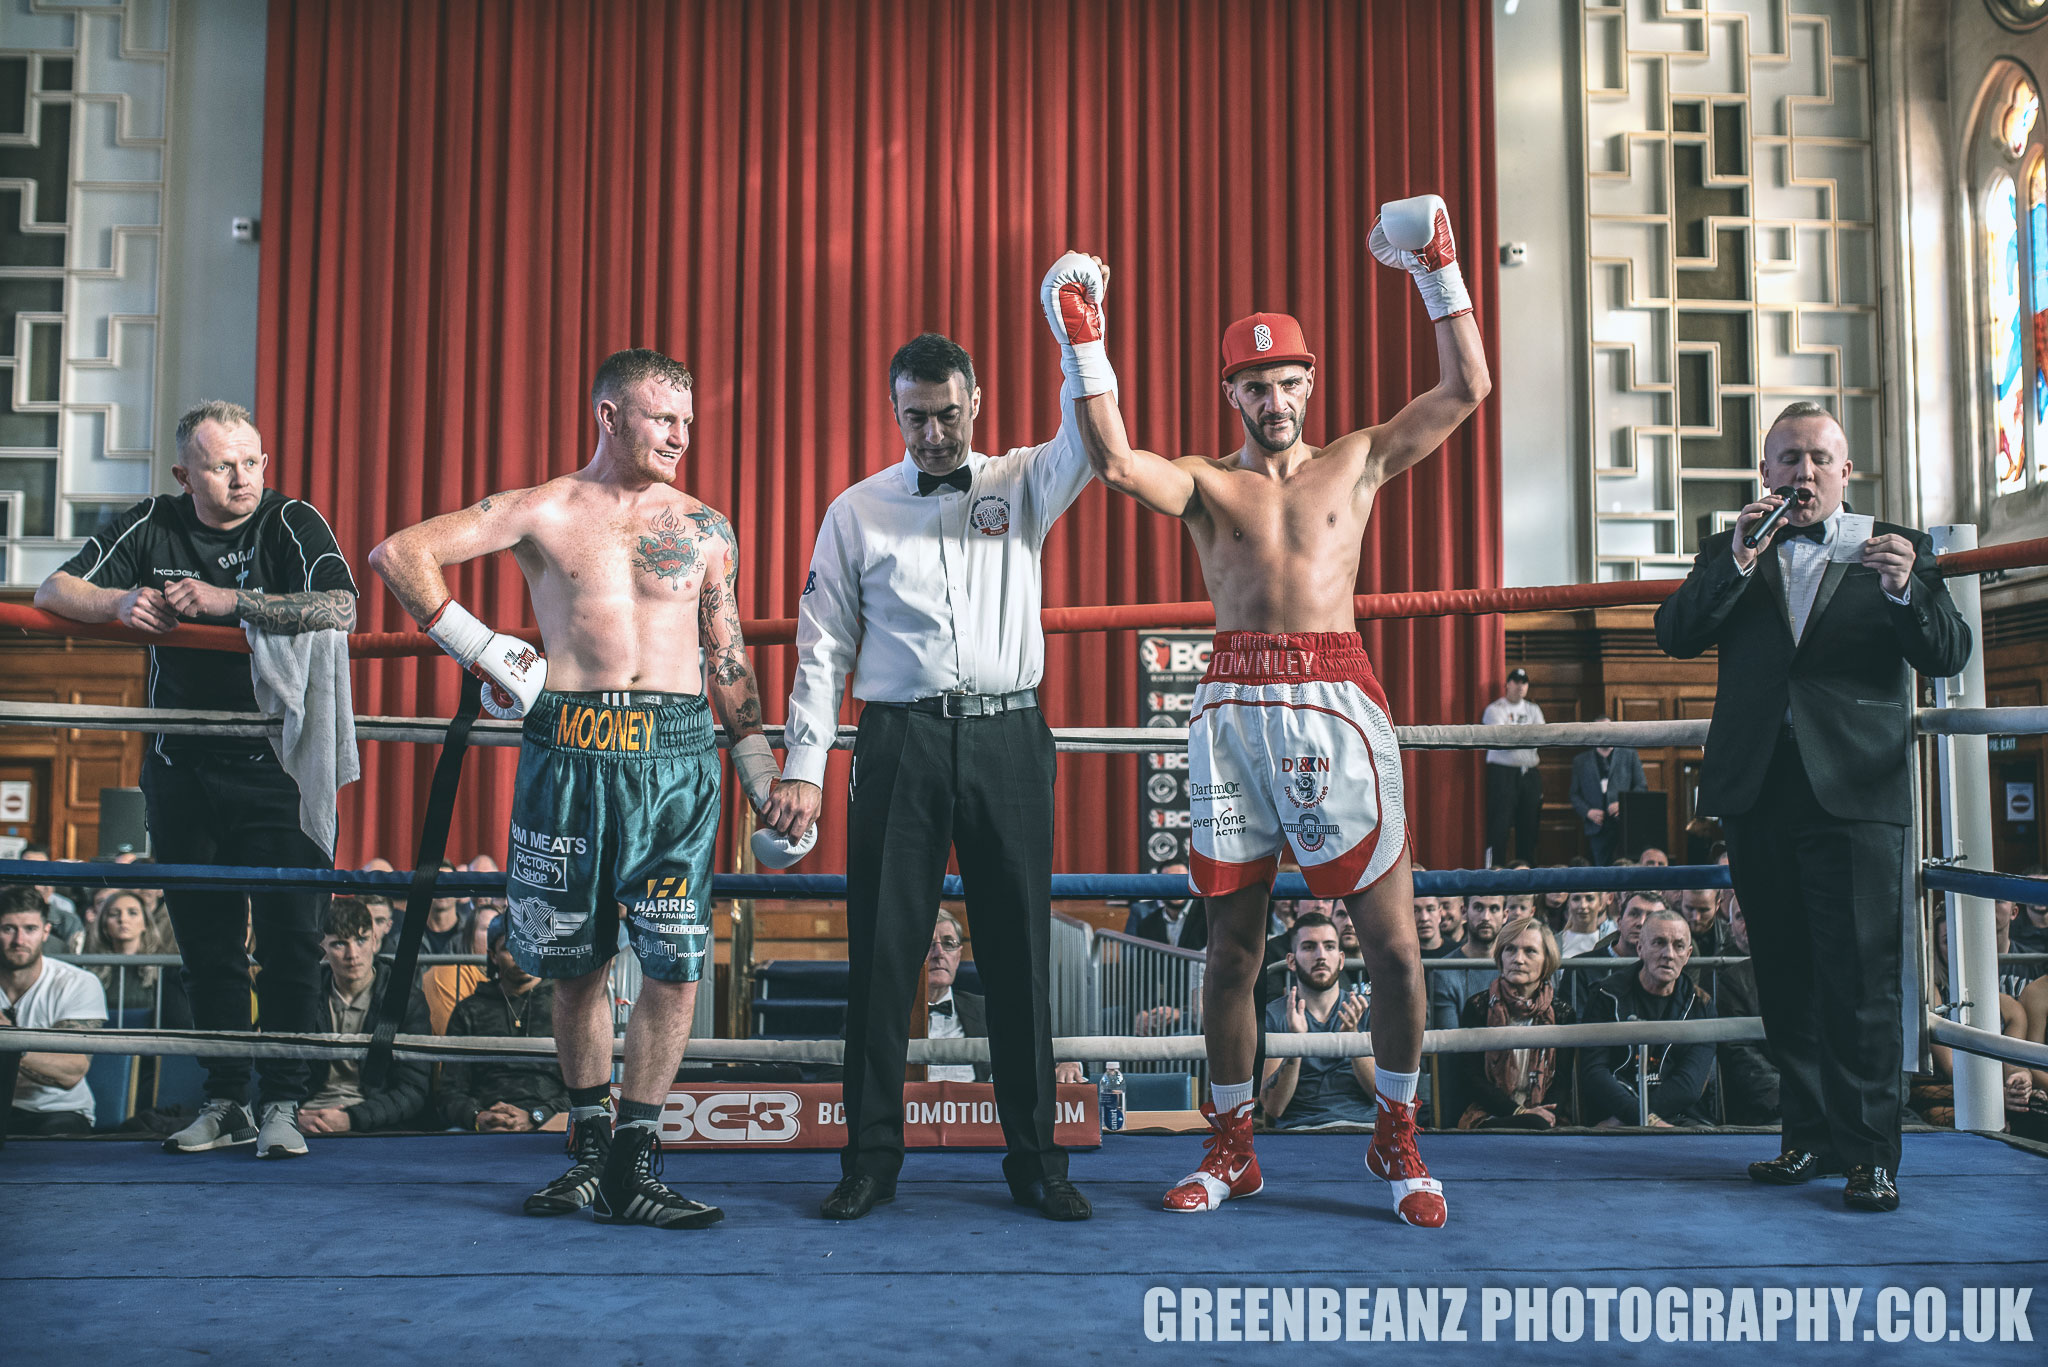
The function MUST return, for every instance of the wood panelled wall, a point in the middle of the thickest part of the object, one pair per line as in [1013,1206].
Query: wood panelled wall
[67,768]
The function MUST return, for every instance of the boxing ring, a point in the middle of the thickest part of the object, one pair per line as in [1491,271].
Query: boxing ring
[1646,1243]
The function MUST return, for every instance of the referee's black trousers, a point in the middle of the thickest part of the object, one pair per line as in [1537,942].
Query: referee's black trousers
[923,785]
[1822,899]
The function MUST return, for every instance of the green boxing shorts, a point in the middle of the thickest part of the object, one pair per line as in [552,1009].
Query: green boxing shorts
[616,807]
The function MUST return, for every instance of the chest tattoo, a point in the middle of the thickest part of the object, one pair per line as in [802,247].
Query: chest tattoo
[667,552]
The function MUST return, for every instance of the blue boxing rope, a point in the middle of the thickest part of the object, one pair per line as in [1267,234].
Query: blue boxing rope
[819,887]
[1999,887]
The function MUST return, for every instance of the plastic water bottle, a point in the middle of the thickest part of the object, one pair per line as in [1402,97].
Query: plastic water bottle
[1112,1102]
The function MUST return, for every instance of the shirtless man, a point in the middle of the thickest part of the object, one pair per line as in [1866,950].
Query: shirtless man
[616,808]
[1289,742]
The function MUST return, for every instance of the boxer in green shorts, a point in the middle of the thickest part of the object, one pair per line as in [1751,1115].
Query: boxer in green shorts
[614,815]
[634,584]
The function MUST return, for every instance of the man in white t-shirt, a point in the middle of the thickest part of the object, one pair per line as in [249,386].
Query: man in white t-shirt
[50,1095]
[1514,791]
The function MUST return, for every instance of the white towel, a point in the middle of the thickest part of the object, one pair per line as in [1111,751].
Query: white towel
[304,679]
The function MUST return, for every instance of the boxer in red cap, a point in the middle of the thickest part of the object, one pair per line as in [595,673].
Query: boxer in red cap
[1289,744]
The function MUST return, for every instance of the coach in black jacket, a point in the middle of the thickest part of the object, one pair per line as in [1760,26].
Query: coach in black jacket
[1808,767]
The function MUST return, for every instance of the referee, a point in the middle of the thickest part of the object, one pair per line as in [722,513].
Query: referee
[924,586]
[226,552]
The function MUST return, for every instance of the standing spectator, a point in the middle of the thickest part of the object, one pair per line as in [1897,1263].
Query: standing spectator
[1177,921]
[67,928]
[1517,1089]
[226,552]
[1657,990]
[925,587]
[503,1097]
[1297,1092]
[352,982]
[1749,1079]
[1514,789]
[50,1095]
[1599,778]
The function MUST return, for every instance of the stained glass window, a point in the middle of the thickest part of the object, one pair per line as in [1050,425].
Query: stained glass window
[2008,348]
[2018,119]
[2037,254]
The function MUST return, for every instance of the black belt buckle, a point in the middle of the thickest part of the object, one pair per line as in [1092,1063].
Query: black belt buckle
[959,703]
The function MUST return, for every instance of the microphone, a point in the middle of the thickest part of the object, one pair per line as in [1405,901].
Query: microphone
[1794,497]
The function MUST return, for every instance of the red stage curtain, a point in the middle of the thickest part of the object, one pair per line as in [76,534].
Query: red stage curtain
[467,204]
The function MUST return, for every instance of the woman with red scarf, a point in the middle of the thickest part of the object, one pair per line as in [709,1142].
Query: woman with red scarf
[1518,1089]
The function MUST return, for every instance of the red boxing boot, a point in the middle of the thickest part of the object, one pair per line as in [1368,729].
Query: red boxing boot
[1418,1197]
[1229,1172]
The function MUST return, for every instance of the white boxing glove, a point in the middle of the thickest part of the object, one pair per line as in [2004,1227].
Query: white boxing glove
[513,671]
[1415,235]
[1071,295]
[754,760]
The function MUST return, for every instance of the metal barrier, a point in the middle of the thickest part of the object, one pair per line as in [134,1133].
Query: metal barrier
[1149,989]
[1073,977]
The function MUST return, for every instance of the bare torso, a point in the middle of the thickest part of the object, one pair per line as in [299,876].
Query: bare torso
[616,578]
[1280,546]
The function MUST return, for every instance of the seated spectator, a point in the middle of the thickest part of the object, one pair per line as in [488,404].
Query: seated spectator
[1654,857]
[1280,916]
[381,923]
[122,926]
[498,1097]
[1450,919]
[1749,1077]
[1657,990]
[1449,988]
[1429,932]
[1701,908]
[1583,927]
[377,863]
[1179,921]
[950,1014]
[1934,1099]
[1554,905]
[1517,1089]
[2032,1123]
[36,993]
[1298,1093]
[67,927]
[2030,925]
[353,982]
[448,923]
[1517,905]
[2013,979]
[1619,943]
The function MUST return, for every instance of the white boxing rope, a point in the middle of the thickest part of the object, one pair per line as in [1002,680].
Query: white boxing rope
[1113,740]
[1972,1040]
[1123,1048]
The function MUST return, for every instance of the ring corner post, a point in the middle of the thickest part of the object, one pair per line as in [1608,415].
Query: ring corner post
[1964,768]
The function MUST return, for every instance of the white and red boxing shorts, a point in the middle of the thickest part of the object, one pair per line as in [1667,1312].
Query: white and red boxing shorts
[1290,747]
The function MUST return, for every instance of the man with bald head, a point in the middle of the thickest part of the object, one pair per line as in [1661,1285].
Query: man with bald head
[1819,628]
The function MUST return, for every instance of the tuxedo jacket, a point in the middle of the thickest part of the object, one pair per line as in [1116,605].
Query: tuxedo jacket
[1194,930]
[972,1013]
[1847,684]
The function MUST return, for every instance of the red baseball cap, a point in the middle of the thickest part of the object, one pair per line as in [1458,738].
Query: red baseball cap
[1264,339]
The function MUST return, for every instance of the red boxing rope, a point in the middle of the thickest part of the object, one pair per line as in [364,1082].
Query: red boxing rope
[774,631]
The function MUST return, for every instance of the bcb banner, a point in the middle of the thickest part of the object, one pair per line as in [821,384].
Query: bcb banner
[811,1115]
[1170,664]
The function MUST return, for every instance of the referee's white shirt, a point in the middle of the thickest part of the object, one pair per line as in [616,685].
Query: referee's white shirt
[916,596]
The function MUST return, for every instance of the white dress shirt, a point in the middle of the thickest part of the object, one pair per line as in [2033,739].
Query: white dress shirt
[946,1027]
[1804,563]
[921,595]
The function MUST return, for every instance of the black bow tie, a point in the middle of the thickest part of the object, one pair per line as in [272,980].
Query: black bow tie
[944,1008]
[1817,533]
[958,479]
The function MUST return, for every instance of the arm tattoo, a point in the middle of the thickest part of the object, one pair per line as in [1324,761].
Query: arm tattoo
[666,551]
[290,614]
[485,505]
[732,686]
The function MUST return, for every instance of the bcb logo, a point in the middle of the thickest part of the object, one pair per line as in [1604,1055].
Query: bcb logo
[732,1117]
[1164,656]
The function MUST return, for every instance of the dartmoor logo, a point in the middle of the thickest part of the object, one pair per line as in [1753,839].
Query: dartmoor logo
[667,552]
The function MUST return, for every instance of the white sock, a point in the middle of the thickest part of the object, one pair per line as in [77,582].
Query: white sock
[1396,1087]
[1228,1098]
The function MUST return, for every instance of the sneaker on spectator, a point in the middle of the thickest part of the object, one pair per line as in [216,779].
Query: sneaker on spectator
[1418,1197]
[220,1124]
[1231,1170]
[631,1193]
[280,1137]
[590,1141]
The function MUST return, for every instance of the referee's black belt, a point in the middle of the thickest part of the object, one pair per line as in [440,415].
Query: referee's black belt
[957,705]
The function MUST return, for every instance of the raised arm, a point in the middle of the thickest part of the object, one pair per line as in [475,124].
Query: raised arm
[1415,235]
[1072,294]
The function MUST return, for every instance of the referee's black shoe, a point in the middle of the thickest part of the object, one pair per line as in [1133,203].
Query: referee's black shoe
[855,1196]
[631,1193]
[1055,1198]
[1794,1167]
[590,1141]
[1870,1187]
